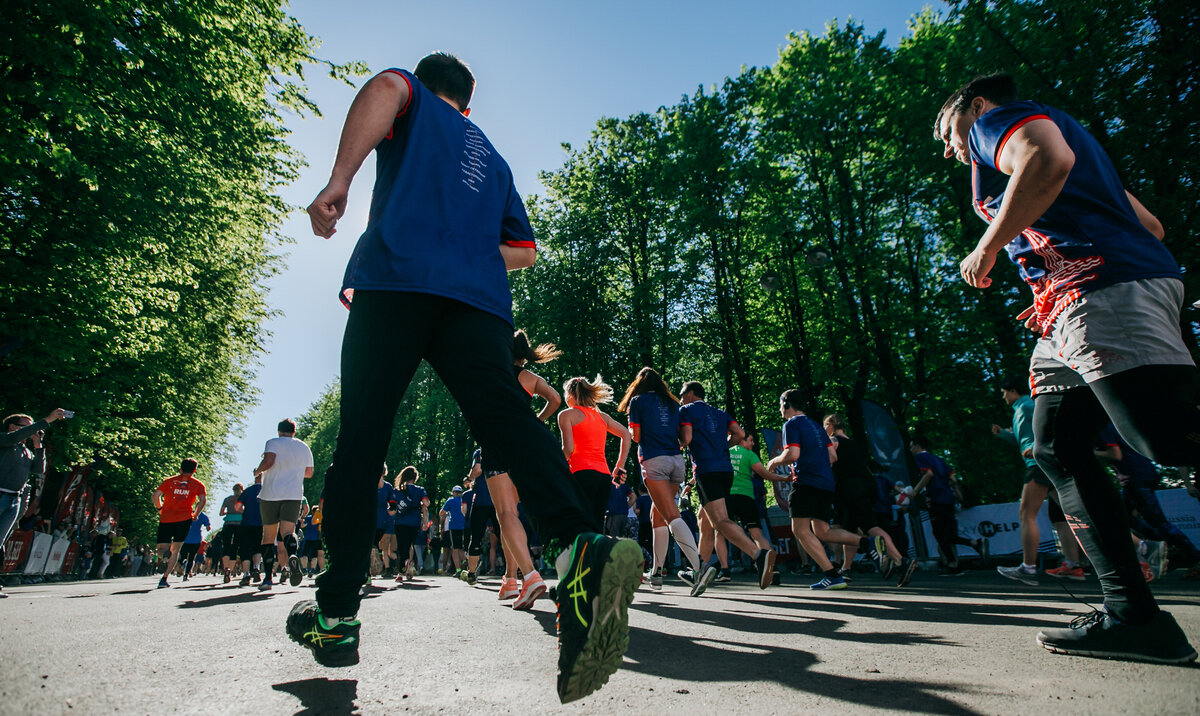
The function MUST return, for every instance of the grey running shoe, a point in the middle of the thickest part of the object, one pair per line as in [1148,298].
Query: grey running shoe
[1019,574]
[707,574]
[766,568]
[1098,634]
[656,582]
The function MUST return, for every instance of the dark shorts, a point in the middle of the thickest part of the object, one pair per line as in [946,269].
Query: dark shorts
[189,550]
[311,547]
[169,532]
[231,536]
[713,486]
[810,503]
[456,539]
[249,541]
[855,513]
[741,508]
[1033,473]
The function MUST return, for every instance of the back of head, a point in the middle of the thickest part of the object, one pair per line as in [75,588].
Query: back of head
[407,475]
[588,393]
[835,421]
[188,466]
[447,76]
[524,350]
[919,442]
[1020,386]
[694,387]
[647,381]
[794,398]
[287,426]
[999,89]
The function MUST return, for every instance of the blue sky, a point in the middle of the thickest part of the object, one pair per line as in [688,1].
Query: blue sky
[545,73]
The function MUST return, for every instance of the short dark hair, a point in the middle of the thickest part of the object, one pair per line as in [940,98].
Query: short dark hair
[188,466]
[15,419]
[1020,386]
[695,388]
[998,89]
[794,398]
[287,425]
[444,74]
[920,441]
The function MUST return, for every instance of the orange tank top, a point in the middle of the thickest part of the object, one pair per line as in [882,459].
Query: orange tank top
[589,435]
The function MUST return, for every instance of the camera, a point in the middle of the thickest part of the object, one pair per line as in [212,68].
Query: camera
[68,413]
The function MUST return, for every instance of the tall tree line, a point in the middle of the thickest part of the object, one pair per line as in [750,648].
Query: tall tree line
[797,225]
[142,149]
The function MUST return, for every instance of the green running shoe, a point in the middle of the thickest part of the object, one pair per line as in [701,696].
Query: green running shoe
[334,646]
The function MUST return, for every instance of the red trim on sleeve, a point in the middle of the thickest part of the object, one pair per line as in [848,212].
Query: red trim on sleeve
[1004,140]
[521,244]
[635,425]
[791,445]
[406,102]
[687,424]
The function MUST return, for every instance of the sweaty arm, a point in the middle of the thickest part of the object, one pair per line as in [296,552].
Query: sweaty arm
[615,428]
[685,435]
[267,462]
[1039,160]
[367,124]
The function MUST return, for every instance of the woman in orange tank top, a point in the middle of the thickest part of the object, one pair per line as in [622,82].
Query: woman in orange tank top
[584,431]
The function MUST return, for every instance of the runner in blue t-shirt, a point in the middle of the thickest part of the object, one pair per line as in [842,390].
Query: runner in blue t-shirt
[708,433]
[654,424]
[454,522]
[1107,297]
[937,482]
[385,522]
[427,281]
[809,454]
[412,511]
[191,544]
[313,559]
[250,534]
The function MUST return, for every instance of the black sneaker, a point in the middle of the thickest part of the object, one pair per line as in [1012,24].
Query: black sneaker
[687,576]
[1098,634]
[331,646]
[593,612]
[766,569]
[907,569]
[889,568]
[244,581]
[471,578]
[723,575]
[162,583]
[295,576]
[845,575]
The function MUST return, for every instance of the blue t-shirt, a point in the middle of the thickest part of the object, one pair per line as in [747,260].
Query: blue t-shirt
[710,436]
[193,536]
[1133,468]
[644,503]
[408,501]
[384,499]
[618,500]
[1090,237]
[444,201]
[311,531]
[812,468]
[453,506]
[468,500]
[658,421]
[938,487]
[249,498]
[479,492]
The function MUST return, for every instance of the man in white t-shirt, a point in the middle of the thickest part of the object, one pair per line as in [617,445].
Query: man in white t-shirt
[286,464]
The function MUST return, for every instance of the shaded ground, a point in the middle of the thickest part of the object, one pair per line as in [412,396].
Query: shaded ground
[941,646]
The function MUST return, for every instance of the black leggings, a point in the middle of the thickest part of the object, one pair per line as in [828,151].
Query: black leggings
[405,536]
[480,516]
[595,488]
[1154,409]
[945,531]
[387,336]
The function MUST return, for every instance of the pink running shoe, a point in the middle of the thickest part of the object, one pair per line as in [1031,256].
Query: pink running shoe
[531,589]
[509,589]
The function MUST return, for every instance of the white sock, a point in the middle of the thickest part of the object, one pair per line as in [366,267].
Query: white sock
[662,539]
[686,541]
[1029,567]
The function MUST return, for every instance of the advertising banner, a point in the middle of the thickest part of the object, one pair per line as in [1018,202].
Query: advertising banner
[1182,510]
[38,553]
[16,550]
[71,557]
[69,495]
[58,553]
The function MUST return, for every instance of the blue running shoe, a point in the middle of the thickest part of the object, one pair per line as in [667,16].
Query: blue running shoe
[829,583]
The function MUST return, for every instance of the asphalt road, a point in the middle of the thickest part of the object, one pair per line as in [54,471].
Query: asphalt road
[436,645]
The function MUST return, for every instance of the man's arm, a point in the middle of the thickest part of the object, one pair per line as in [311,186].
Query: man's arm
[200,502]
[736,434]
[157,499]
[517,257]
[267,462]
[1150,221]
[789,455]
[766,474]
[926,476]
[685,435]
[1039,161]
[367,124]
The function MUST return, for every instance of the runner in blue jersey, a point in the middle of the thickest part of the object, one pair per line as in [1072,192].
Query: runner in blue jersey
[1107,297]
[250,549]
[1139,478]
[427,281]
[654,423]
[937,482]
[708,433]
[412,511]
[809,454]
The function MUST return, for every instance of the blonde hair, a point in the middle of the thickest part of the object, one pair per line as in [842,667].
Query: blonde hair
[588,393]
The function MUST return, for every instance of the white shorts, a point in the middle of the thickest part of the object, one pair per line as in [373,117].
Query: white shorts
[664,467]
[1108,331]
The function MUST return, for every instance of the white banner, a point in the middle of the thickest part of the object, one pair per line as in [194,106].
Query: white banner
[58,552]
[39,552]
[1182,510]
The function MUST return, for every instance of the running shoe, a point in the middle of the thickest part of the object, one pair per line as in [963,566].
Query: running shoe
[399,578]
[471,579]
[687,576]
[707,574]
[723,575]
[162,584]
[244,581]
[908,568]
[829,583]
[845,575]
[1064,572]
[185,578]
[255,575]
[331,645]
[509,589]
[1019,574]
[765,563]
[532,588]
[1099,634]
[889,568]
[1156,557]
[1147,573]
[952,572]
[656,582]
[227,577]
[410,573]
[880,545]
[593,612]
[295,576]
[266,585]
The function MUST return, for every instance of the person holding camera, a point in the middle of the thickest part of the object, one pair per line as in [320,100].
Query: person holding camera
[21,455]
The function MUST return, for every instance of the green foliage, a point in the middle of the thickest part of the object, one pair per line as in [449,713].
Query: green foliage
[821,173]
[142,148]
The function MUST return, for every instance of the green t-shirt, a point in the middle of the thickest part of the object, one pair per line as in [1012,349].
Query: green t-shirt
[743,470]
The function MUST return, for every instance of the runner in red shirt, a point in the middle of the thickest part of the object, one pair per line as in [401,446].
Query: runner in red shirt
[178,500]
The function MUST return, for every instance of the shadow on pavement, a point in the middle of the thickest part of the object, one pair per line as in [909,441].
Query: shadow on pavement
[322,696]
[134,591]
[932,611]
[713,660]
[240,598]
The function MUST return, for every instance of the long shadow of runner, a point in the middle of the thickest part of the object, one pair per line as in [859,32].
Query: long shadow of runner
[240,598]
[933,611]
[322,696]
[714,660]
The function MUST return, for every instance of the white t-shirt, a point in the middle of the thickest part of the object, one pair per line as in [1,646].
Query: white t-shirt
[285,479]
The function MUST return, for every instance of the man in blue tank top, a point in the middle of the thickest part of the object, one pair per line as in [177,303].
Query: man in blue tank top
[427,281]
[1106,302]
